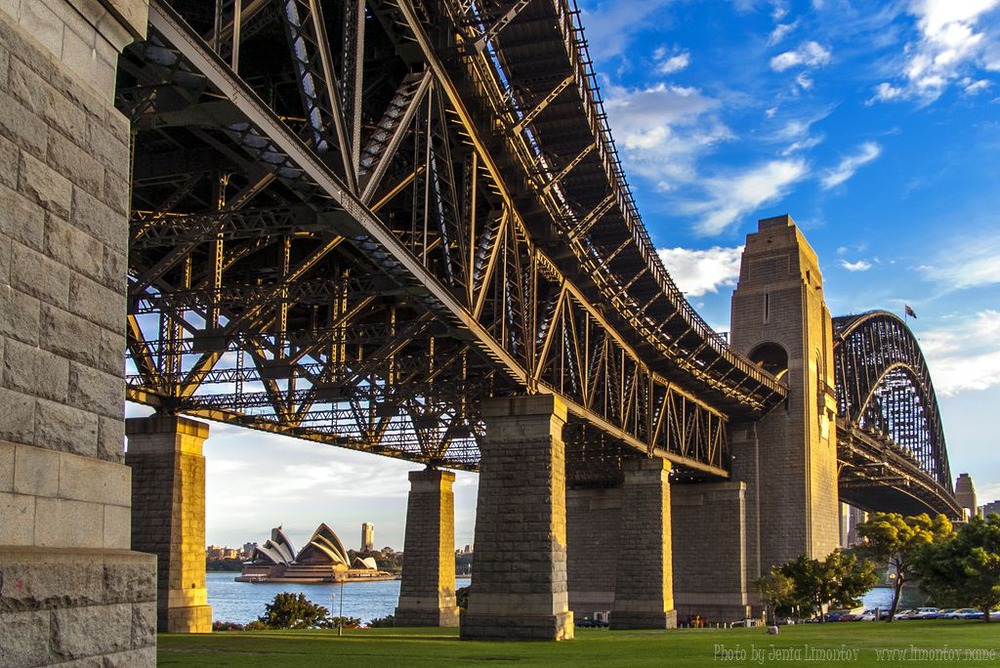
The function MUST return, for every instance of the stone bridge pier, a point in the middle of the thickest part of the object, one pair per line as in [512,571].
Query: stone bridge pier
[71,589]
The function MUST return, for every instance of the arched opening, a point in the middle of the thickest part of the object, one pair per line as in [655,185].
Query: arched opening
[771,357]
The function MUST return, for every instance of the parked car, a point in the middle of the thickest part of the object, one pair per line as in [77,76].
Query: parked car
[924,613]
[903,614]
[963,613]
[869,615]
[942,613]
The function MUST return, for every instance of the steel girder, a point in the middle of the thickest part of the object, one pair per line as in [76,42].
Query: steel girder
[885,394]
[338,234]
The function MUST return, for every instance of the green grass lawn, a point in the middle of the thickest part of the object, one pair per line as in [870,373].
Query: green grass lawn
[963,643]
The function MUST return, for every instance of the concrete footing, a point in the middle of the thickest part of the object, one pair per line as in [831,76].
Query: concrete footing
[644,596]
[168,515]
[519,588]
[427,592]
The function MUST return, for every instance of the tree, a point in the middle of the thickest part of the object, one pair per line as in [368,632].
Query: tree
[964,570]
[290,611]
[839,580]
[893,539]
[776,590]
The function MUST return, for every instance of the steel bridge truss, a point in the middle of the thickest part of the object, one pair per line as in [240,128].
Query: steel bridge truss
[890,438]
[352,221]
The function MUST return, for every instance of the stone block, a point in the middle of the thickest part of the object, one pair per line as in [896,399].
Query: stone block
[5,260]
[39,276]
[116,192]
[8,162]
[22,127]
[89,479]
[111,439]
[111,147]
[20,315]
[7,451]
[67,523]
[143,625]
[117,527]
[36,471]
[73,337]
[34,371]
[73,248]
[131,579]
[92,630]
[43,24]
[76,164]
[24,639]
[66,428]
[17,517]
[44,185]
[17,416]
[95,391]
[97,303]
[99,220]
[111,352]
[41,98]
[21,219]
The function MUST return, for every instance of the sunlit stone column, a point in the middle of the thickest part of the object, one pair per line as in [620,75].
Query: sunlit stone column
[644,594]
[427,592]
[519,573]
[168,515]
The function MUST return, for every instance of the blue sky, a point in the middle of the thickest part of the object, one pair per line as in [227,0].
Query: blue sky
[876,126]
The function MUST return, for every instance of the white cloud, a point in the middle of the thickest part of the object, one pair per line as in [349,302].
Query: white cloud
[674,63]
[964,355]
[953,39]
[860,265]
[974,87]
[970,265]
[733,196]
[809,54]
[780,32]
[850,164]
[803,80]
[663,130]
[611,27]
[699,271]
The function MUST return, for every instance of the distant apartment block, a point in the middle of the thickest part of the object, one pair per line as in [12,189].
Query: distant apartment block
[367,537]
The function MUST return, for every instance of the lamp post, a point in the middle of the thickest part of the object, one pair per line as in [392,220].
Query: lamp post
[340,625]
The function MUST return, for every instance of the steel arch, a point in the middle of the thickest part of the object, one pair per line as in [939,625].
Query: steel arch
[883,385]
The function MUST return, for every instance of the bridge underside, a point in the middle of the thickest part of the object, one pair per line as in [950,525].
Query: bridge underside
[378,223]
[877,475]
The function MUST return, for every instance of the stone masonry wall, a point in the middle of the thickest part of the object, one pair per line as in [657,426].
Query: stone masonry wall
[593,523]
[709,551]
[644,596]
[69,586]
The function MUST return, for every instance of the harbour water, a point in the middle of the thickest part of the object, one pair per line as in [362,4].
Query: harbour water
[244,602]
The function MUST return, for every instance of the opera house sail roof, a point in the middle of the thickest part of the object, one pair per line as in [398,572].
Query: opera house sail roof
[323,559]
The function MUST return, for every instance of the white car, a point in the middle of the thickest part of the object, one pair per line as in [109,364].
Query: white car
[925,613]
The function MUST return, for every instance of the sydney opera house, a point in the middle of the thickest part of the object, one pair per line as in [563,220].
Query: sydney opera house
[323,559]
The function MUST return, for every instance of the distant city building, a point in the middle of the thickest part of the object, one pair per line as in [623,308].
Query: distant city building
[990,509]
[850,518]
[965,493]
[367,537]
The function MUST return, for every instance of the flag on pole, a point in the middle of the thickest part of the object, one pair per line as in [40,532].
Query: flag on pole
[909,311]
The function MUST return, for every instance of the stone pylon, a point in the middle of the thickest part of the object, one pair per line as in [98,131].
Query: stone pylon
[788,460]
[427,591]
[168,515]
[519,588]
